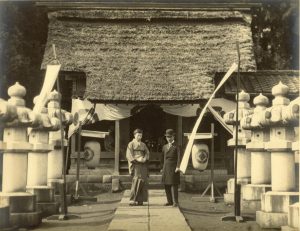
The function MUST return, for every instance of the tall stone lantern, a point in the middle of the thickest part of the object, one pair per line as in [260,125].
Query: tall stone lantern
[260,158]
[16,119]
[38,163]
[275,204]
[244,136]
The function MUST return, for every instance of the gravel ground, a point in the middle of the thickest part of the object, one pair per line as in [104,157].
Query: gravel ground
[205,216]
[95,216]
[200,215]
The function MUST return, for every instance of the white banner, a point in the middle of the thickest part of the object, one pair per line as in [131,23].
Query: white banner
[49,81]
[186,156]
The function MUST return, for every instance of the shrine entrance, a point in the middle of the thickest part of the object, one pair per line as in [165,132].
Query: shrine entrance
[154,122]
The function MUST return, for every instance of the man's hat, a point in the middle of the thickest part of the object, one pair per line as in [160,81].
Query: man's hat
[170,132]
[137,131]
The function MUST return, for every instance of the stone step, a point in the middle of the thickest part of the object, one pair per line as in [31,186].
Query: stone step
[278,202]
[19,202]
[26,220]
[254,191]
[4,216]
[230,184]
[106,178]
[48,208]
[43,193]
[293,215]
[271,220]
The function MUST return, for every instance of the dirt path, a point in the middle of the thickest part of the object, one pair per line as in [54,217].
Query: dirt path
[95,216]
[206,216]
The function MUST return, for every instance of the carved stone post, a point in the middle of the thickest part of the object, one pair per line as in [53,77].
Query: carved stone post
[38,164]
[244,157]
[55,157]
[260,158]
[292,114]
[15,147]
[275,203]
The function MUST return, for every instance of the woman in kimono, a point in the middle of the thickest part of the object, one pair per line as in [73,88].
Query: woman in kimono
[137,155]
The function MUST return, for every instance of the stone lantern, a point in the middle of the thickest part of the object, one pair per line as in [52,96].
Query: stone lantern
[17,119]
[275,204]
[38,163]
[260,158]
[291,115]
[244,157]
[55,157]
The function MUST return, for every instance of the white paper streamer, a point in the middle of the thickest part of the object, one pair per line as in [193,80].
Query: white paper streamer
[186,156]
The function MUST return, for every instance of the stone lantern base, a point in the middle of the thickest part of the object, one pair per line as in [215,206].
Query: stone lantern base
[22,208]
[44,199]
[5,219]
[251,200]
[293,218]
[229,195]
[274,208]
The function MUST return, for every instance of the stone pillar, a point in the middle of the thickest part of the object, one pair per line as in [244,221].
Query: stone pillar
[55,156]
[275,204]
[293,211]
[38,164]
[244,157]
[260,158]
[15,147]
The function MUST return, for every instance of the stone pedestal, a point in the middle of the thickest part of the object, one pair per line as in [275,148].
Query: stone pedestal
[5,219]
[45,201]
[251,199]
[22,207]
[274,209]
[293,218]
[229,195]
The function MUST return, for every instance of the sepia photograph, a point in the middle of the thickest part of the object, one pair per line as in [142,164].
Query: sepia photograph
[149,115]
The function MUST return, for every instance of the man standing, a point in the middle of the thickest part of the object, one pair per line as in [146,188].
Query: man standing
[170,160]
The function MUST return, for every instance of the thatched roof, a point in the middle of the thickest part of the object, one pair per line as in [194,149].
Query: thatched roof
[262,81]
[152,55]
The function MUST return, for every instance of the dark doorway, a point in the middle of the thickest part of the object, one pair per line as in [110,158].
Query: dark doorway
[152,120]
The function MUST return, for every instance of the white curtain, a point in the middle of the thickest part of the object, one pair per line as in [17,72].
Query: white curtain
[121,111]
[103,111]
[187,110]
[190,110]
[113,112]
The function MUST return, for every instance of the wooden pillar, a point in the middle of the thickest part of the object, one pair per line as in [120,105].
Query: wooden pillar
[180,143]
[179,130]
[117,147]
[73,148]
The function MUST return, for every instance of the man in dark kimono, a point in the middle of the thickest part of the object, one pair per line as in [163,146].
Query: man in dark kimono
[170,160]
[137,155]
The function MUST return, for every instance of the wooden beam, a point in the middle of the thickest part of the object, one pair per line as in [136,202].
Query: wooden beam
[179,130]
[117,147]
[214,4]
